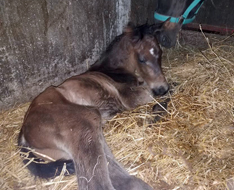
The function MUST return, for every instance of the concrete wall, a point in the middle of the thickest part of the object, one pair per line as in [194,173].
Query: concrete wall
[43,42]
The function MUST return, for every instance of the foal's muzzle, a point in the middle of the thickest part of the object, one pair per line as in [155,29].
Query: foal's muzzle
[160,90]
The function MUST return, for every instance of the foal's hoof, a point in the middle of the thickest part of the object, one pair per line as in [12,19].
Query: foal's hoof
[160,109]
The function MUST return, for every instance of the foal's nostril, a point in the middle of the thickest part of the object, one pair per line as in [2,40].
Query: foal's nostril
[160,91]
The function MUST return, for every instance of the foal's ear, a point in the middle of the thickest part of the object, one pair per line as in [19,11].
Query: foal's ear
[129,28]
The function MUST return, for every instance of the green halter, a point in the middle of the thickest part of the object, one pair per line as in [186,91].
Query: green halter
[187,20]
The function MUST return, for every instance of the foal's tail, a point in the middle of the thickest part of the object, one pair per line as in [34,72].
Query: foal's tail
[39,168]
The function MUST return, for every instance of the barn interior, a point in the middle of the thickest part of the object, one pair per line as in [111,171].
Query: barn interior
[190,147]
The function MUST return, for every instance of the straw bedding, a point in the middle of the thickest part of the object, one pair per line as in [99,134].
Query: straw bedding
[190,147]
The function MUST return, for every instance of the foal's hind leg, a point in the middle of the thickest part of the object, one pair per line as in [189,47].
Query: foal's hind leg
[86,147]
[96,167]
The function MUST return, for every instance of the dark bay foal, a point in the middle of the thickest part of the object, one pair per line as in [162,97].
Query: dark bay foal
[64,123]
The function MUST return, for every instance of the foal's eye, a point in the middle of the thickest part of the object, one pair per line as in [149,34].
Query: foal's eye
[142,59]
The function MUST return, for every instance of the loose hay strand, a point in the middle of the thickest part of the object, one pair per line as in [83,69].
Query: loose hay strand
[191,147]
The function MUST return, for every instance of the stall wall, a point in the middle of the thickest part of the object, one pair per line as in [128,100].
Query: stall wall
[43,42]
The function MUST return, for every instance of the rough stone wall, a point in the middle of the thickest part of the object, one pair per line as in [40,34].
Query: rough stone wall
[43,42]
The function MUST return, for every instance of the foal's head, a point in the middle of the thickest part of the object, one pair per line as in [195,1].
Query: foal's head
[148,58]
